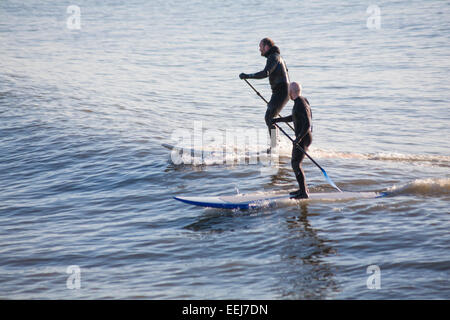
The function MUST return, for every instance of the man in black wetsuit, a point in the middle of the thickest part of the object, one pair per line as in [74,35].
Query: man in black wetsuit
[278,77]
[301,115]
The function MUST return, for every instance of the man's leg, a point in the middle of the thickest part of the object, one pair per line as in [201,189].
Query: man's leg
[273,132]
[274,107]
[296,162]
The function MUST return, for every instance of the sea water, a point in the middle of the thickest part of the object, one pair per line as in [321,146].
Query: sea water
[89,92]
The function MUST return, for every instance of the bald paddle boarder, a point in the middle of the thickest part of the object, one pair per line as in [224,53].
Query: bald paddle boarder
[301,116]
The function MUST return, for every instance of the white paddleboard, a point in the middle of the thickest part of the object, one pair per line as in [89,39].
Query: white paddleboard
[261,200]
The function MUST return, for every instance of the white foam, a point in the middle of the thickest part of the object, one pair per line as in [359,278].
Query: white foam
[212,154]
[382,156]
[431,186]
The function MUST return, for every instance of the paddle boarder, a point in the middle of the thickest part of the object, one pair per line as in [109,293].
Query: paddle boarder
[278,77]
[301,116]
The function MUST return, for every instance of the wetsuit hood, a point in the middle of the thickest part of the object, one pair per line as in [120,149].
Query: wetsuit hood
[272,50]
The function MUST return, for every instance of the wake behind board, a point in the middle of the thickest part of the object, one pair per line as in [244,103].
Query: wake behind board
[262,200]
[188,150]
[224,154]
[200,151]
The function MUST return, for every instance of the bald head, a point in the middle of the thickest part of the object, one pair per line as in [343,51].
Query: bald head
[295,90]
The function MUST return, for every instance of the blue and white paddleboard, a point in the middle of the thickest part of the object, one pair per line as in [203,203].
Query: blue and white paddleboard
[261,200]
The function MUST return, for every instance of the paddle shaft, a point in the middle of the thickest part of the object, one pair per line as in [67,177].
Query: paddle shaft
[296,144]
[259,94]
[313,161]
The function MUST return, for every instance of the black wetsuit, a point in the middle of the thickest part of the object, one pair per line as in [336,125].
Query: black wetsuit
[301,115]
[278,77]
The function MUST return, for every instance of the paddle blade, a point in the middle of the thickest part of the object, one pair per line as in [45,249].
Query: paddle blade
[330,181]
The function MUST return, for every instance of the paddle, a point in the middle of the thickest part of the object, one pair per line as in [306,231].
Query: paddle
[259,94]
[301,149]
[313,161]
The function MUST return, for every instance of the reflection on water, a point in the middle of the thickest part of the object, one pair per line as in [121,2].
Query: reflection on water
[216,221]
[298,265]
[304,274]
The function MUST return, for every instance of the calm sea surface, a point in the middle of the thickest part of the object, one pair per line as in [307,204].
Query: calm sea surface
[86,185]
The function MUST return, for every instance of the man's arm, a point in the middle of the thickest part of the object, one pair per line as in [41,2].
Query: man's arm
[283,119]
[271,65]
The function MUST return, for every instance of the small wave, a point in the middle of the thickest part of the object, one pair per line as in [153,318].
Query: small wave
[431,187]
[213,155]
[437,160]
[209,158]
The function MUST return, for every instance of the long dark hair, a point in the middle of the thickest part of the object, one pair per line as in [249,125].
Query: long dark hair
[267,41]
